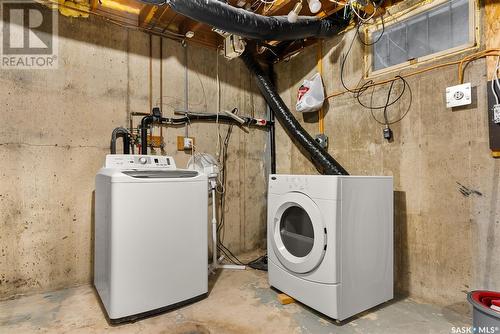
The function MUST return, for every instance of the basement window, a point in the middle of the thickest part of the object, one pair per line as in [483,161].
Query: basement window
[430,32]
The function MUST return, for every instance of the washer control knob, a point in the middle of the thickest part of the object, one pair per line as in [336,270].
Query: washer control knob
[143,160]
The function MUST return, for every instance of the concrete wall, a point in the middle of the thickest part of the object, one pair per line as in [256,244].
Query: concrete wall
[56,131]
[446,243]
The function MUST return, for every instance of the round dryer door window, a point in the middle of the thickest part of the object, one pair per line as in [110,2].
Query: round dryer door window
[299,238]
[297,231]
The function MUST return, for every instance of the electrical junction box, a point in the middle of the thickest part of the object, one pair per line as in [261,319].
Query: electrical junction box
[234,45]
[460,95]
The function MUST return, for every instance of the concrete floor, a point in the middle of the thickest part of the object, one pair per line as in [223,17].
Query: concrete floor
[240,302]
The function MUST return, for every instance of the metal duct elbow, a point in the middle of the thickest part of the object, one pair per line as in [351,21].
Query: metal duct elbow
[323,161]
[253,26]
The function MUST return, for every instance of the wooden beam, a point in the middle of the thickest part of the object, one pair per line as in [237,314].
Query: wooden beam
[285,299]
[146,15]
[328,10]
[93,5]
[275,7]
[492,27]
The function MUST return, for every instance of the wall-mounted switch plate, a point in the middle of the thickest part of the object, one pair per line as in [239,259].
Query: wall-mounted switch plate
[460,95]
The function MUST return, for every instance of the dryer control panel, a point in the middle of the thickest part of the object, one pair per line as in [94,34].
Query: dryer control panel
[128,161]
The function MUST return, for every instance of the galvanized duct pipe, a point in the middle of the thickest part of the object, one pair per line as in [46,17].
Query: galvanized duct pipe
[253,26]
[323,161]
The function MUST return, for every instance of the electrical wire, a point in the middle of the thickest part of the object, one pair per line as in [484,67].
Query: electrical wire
[417,72]
[389,103]
[378,38]
[387,121]
[496,82]
[358,91]
[467,60]
[223,154]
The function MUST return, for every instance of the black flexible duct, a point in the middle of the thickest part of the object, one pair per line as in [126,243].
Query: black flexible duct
[325,163]
[120,132]
[253,26]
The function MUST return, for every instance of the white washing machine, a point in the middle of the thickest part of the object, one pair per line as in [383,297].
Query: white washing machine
[330,241]
[150,236]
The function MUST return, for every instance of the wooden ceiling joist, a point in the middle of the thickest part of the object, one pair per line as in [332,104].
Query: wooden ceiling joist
[162,19]
[146,15]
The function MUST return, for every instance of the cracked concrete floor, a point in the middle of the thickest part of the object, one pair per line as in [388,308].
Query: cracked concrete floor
[239,302]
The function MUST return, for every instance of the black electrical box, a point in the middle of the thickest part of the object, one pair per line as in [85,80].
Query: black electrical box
[494,128]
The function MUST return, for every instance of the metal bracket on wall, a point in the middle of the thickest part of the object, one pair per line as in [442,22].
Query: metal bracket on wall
[322,140]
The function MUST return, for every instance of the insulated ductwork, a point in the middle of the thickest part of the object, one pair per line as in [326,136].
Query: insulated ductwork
[323,161]
[250,25]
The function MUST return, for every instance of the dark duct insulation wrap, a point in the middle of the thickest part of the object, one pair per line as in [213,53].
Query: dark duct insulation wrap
[246,24]
[325,163]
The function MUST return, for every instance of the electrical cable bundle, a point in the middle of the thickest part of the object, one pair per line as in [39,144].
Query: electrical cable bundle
[496,82]
[360,90]
[257,263]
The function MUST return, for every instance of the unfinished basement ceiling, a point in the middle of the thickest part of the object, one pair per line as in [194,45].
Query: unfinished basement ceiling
[162,20]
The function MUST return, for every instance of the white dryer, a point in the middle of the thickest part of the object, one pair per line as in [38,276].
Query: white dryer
[150,236]
[330,241]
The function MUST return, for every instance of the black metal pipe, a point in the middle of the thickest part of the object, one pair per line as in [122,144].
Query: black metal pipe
[150,119]
[253,26]
[323,161]
[272,130]
[123,133]
[145,123]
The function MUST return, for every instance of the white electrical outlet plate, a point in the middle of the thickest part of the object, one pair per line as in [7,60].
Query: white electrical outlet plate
[460,95]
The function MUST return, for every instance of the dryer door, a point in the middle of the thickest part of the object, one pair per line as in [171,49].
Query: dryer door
[298,234]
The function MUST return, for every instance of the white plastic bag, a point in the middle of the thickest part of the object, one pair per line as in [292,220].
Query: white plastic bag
[311,95]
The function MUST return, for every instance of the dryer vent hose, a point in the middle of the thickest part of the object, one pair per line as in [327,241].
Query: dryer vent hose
[241,22]
[323,161]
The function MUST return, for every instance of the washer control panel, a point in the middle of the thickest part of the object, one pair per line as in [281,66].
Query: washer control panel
[128,161]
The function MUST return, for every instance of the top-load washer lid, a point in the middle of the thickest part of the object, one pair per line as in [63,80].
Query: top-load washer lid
[161,174]
[299,234]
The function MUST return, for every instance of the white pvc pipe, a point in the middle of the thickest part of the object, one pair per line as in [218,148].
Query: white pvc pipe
[214,231]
